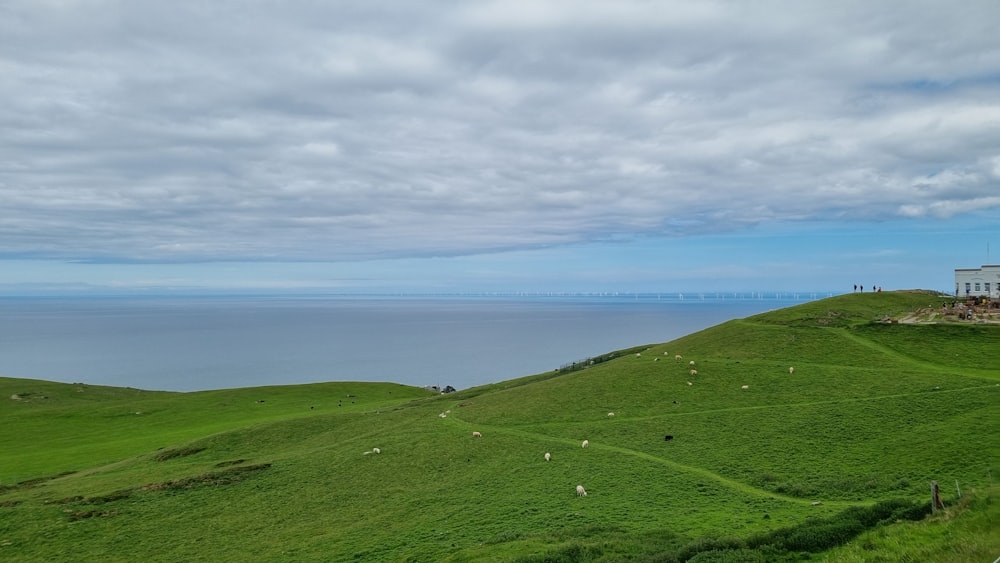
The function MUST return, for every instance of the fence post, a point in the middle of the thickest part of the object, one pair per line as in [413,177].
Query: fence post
[936,503]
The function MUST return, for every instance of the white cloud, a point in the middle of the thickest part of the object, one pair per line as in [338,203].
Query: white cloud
[142,131]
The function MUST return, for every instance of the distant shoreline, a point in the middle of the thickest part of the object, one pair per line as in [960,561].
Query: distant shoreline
[677,296]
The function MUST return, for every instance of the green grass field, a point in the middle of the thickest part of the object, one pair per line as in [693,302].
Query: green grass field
[831,462]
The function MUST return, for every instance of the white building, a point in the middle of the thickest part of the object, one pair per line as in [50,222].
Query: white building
[978,282]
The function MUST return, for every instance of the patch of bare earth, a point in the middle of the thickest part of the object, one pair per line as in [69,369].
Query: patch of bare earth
[940,316]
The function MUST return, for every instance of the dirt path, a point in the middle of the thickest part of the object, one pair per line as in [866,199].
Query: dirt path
[729,483]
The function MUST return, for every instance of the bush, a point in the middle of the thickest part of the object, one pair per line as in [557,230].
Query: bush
[820,534]
[729,556]
[566,554]
[706,544]
[819,537]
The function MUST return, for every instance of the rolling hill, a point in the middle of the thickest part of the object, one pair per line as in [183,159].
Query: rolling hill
[833,458]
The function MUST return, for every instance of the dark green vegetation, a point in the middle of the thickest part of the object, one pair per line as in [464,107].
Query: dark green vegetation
[832,461]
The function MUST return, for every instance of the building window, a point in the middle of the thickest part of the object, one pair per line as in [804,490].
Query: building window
[977,287]
[986,287]
[968,287]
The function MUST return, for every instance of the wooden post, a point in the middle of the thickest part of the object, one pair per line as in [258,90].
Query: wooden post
[936,503]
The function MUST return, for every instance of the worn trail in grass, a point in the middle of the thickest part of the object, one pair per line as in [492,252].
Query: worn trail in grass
[917,362]
[699,471]
[536,432]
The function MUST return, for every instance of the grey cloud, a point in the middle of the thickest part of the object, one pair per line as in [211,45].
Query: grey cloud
[192,131]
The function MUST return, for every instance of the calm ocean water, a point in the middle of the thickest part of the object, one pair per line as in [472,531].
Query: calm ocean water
[187,344]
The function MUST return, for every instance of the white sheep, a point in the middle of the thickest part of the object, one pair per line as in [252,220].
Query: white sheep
[637,354]
[580,492]
[745,387]
[678,357]
[694,372]
[691,363]
[376,451]
[611,414]
[442,415]
[689,383]
[477,435]
[585,444]
[791,370]
[548,456]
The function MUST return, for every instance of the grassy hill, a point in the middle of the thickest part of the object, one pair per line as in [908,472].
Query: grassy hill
[834,459]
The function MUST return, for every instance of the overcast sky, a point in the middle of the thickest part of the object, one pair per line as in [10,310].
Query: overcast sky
[497,146]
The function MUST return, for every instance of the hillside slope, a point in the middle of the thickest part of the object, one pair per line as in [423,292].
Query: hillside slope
[871,412]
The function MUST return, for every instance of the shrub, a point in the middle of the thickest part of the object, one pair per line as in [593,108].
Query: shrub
[706,544]
[571,553]
[816,535]
[729,556]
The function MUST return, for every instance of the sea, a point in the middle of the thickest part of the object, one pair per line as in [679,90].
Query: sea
[192,343]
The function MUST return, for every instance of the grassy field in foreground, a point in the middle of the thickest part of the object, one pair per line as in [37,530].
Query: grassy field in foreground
[834,458]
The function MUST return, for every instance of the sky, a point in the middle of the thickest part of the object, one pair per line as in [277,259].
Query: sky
[496,146]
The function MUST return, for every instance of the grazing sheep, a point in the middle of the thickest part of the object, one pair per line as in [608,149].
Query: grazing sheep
[585,444]
[611,414]
[548,456]
[791,371]
[477,435]
[580,492]
[637,354]
[691,363]
[694,372]
[442,415]
[656,359]
[678,357]
[745,387]
[689,383]
[376,451]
